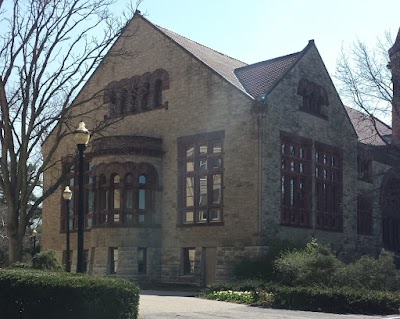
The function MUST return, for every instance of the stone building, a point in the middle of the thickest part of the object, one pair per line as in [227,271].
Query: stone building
[211,160]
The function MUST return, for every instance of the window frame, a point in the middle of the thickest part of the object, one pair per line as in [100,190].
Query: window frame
[113,260]
[296,165]
[328,191]
[195,168]
[188,265]
[142,264]
[127,216]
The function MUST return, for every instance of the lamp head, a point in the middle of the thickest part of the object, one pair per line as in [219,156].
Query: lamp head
[81,134]
[67,193]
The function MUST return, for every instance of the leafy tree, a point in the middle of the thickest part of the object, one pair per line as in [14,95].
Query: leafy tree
[48,50]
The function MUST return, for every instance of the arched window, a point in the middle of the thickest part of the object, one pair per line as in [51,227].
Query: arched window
[113,101]
[146,96]
[134,100]
[102,200]
[89,196]
[123,102]
[128,199]
[116,198]
[158,93]
[142,199]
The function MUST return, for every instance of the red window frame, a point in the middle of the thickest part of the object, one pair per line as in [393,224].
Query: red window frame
[296,181]
[328,187]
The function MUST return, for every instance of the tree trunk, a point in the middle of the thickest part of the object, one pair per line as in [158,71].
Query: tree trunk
[15,248]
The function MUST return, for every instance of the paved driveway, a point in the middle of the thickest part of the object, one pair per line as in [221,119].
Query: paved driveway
[155,304]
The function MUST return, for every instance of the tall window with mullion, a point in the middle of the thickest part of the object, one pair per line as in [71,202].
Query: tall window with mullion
[328,187]
[201,178]
[295,181]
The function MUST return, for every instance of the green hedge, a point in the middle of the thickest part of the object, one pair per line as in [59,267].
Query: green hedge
[315,298]
[336,300]
[29,294]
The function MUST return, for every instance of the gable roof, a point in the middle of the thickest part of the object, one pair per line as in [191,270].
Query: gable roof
[369,129]
[259,78]
[222,64]
[253,79]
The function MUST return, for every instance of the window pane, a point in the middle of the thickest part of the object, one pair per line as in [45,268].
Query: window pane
[202,165]
[116,179]
[203,149]
[217,147]
[189,191]
[203,191]
[129,179]
[117,198]
[188,217]
[90,199]
[215,215]
[142,179]
[202,216]
[128,218]
[116,217]
[129,199]
[190,151]
[189,255]
[141,219]
[141,258]
[216,189]
[190,166]
[142,199]
[216,163]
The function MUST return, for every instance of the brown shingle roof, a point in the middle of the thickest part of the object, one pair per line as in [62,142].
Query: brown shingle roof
[260,77]
[222,64]
[369,129]
[252,80]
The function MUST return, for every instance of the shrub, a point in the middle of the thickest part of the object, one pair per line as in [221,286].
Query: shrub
[263,267]
[22,265]
[317,298]
[370,273]
[336,300]
[46,260]
[30,294]
[314,265]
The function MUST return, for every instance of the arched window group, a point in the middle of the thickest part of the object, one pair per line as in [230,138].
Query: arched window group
[137,94]
[314,96]
[124,194]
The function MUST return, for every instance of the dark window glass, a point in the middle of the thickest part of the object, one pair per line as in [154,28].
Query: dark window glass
[295,182]
[142,260]
[188,260]
[328,187]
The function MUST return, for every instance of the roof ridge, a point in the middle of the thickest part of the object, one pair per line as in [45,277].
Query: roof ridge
[269,60]
[182,36]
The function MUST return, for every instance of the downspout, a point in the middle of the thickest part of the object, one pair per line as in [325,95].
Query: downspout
[260,103]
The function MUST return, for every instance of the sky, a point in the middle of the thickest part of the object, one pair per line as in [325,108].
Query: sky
[258,30]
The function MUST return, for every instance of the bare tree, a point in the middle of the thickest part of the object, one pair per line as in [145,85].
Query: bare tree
[364,81]
[48,50]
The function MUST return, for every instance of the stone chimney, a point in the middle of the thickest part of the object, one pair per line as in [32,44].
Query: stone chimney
[394,66]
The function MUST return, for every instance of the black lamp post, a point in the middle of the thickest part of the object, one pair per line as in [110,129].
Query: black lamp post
[81,137]
[67,195]
[34,233]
